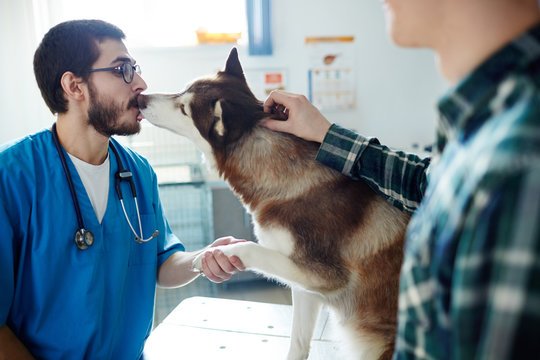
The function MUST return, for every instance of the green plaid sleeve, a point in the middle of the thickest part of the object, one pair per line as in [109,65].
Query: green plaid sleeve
[397,176]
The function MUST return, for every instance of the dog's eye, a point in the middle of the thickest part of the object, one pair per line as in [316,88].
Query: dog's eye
[183,110]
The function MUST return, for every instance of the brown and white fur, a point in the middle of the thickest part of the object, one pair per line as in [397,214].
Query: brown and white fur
[331,239]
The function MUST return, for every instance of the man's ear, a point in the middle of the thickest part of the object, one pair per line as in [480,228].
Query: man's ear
[73,86]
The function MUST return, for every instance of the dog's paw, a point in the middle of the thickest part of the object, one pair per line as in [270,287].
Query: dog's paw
[241,250]
[197,262]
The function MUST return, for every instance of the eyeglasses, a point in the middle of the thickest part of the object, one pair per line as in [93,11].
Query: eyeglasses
[126,69]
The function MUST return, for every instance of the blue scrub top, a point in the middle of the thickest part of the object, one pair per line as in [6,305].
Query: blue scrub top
[66,303]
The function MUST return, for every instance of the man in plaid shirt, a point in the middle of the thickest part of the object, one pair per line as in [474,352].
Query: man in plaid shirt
[470,280]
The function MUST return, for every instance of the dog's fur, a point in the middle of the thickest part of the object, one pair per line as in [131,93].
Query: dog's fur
[331,239]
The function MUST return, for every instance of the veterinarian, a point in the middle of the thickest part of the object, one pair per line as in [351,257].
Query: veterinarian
[84,238]
[470,280]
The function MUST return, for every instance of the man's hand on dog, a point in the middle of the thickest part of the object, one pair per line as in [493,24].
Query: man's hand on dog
[215,265]
[295,115]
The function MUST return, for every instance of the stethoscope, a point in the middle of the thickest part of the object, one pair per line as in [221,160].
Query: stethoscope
[84,238]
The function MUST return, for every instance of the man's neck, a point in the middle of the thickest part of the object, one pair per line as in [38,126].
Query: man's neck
[475,33]
[81,139]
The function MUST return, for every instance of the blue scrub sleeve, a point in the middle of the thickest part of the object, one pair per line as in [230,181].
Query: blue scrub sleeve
[168,243]
[7,272]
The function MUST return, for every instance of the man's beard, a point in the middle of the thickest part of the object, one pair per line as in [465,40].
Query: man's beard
[104,116]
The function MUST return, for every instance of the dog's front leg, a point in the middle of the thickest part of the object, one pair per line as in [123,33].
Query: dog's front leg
[270,263]
[306,307]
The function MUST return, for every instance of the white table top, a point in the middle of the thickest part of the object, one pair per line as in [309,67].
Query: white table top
[210,328]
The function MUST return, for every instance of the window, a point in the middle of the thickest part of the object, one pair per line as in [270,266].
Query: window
[160,23]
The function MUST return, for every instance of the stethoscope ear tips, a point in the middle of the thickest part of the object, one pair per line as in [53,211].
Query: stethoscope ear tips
[84,239]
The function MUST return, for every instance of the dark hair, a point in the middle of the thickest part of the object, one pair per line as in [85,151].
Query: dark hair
[69,46]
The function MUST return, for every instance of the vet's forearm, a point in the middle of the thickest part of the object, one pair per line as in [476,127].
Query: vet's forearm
[177,270]
[11,347]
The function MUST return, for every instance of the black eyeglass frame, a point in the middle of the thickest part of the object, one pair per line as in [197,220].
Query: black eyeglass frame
[128,71]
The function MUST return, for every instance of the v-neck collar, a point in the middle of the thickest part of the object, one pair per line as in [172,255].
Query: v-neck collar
[87,210]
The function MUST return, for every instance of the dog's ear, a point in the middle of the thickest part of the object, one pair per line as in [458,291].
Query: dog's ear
[233,66]
[218,125]
[229,124]
[218,130]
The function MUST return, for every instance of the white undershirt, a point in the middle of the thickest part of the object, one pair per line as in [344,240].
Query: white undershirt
[95,179]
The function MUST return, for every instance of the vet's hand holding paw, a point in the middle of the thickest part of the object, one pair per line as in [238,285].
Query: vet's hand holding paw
[215,265]
[297,116]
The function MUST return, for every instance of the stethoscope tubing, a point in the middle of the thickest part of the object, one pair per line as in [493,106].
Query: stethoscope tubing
[84,238]
[68,176]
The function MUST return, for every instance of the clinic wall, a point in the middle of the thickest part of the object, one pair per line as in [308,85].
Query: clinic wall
[397,88]
[22,110]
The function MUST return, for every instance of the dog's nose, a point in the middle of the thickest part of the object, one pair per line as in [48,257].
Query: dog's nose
[141,100]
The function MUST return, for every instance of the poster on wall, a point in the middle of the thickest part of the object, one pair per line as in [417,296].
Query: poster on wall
[263,81]
[331,75]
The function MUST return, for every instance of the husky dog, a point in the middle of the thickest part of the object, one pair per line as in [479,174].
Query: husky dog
[331,239]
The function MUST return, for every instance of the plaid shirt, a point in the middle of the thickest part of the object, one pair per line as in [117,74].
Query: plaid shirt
[470,280]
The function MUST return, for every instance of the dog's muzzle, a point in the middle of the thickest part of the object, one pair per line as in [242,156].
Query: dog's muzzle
[141,100]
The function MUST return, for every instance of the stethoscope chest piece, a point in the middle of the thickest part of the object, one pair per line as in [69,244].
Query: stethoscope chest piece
[84,239]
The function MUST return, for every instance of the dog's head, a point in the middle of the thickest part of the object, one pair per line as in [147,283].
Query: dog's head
[214,112]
